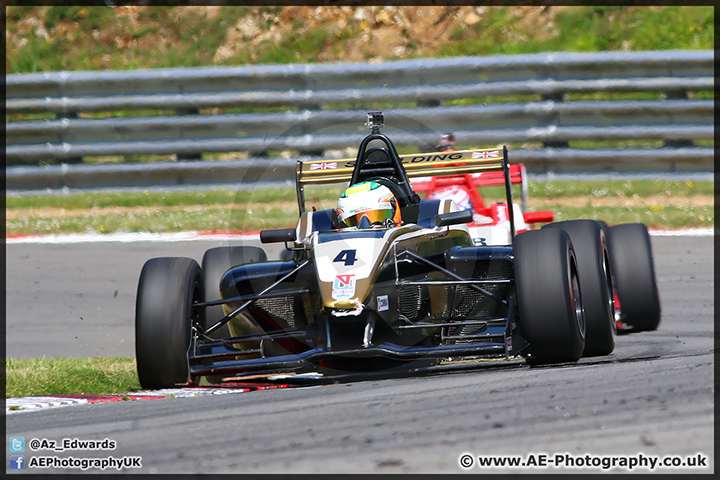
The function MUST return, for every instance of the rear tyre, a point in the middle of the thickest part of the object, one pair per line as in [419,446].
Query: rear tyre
[548,296]
[167,289]
[215,262]
[634,275]
[594,270]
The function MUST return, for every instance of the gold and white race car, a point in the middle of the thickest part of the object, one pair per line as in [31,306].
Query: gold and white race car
[362,291]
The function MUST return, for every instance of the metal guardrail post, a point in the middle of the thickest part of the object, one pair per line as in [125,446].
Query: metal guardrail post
[679,94]
[190,155]
[61,137]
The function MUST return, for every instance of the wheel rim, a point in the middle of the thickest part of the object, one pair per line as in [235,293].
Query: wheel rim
[609,288]
[195,319]
[576,303]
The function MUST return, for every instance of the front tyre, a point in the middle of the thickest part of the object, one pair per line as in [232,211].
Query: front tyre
[167,289]
[548,296]
[634,275]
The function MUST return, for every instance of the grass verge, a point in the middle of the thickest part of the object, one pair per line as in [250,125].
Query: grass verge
[658,204]
[46,376]
[660,218]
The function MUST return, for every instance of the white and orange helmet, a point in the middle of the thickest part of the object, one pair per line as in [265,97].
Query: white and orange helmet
[369,199]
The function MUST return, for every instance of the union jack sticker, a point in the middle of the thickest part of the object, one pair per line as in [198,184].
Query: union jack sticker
[323,166]
[491,154]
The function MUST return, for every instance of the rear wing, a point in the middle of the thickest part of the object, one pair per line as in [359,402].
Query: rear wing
[417,165]
[518,174]
[320,172]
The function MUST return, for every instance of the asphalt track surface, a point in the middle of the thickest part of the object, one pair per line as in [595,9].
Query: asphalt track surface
[653,397]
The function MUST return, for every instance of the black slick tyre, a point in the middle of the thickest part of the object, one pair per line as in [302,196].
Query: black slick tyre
[550,314]
[634,275]
[595,273]
[215,262]
[167,289]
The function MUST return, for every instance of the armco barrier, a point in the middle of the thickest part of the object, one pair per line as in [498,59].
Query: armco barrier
[318,107]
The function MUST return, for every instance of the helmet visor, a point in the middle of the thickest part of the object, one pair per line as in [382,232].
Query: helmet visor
[375,216]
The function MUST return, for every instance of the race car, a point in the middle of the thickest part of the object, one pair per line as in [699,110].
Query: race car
[491,223]
[636,301]
[366,287]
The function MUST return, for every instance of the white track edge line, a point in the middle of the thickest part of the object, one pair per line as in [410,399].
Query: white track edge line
[203,236]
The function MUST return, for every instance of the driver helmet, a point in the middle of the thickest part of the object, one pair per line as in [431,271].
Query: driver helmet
[367,199]
[456,193]
[447,143]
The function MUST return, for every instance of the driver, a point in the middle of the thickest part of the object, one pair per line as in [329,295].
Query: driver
[458,193]
[447,143]
[371,200]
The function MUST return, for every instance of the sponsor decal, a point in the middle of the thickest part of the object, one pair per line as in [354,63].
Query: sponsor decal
[431,158]
[323,166]
[378,206]
[383,303]
[355,211]
[343,287]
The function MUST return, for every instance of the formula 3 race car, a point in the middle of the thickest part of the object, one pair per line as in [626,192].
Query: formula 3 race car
[635,295]
[491,223]
[411,290]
